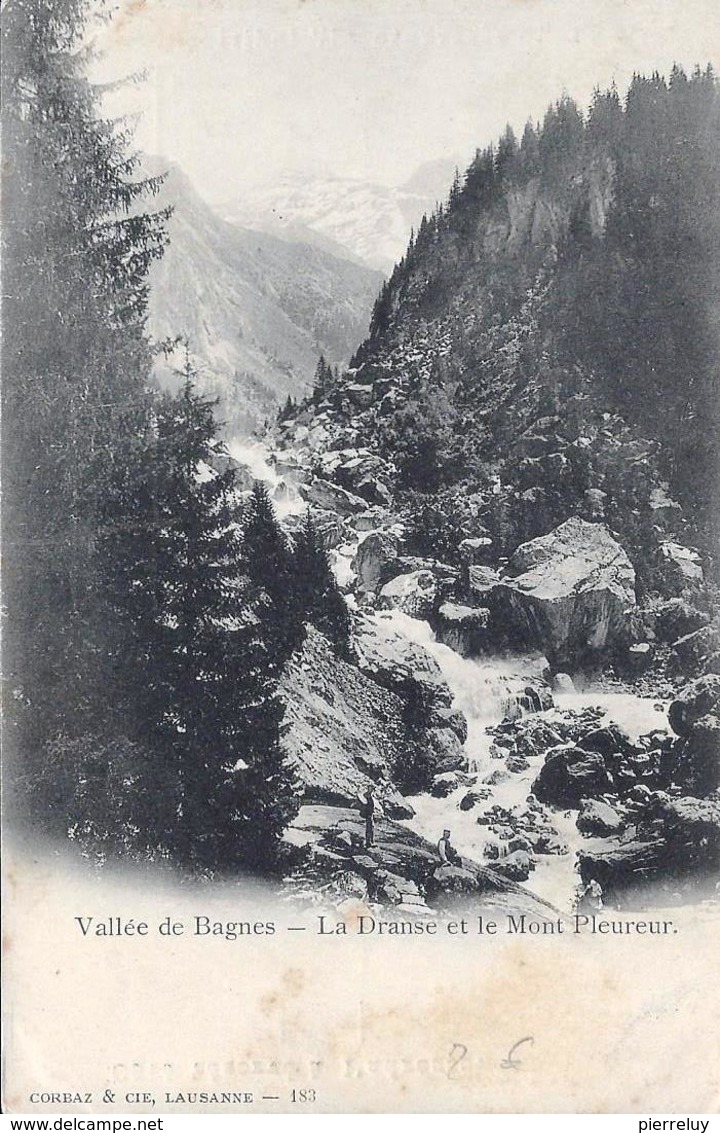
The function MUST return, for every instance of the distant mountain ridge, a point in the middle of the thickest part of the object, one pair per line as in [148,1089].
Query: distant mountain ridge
[257,311]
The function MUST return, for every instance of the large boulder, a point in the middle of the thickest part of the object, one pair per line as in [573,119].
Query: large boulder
[445,749]
[369,520]
[331,529]
[415,593]
[573,591]
[374,552]
[479,582]
[446,575]
[697,766]
[609,740]
[599,818]
[401,665]
[676,618]
[463,628]
[569,775]
[407,669]
[696,700]
[331,497]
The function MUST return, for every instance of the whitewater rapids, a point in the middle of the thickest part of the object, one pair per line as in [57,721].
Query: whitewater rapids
[481,689]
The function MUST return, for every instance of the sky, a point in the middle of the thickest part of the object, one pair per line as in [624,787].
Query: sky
[242,92]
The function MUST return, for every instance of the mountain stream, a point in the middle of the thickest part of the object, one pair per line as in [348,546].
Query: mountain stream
[481,688]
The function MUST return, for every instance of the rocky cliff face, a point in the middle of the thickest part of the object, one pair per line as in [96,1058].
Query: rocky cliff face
[347,725]
[535,216]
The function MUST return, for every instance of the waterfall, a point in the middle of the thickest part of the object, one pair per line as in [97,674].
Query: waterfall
[254,454]
[483,688]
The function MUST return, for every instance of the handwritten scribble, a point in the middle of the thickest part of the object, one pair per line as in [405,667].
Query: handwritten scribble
[511,1062]
[457,1054]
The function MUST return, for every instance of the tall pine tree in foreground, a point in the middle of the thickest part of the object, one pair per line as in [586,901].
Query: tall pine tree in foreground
[76,251]
[142,671]
[207,686]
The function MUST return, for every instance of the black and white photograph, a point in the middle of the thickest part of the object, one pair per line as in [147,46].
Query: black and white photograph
[361,555]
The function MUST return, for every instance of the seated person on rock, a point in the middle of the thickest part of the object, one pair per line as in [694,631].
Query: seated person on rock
[448,853]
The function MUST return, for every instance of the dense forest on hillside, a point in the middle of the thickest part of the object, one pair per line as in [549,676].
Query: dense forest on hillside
[569,285]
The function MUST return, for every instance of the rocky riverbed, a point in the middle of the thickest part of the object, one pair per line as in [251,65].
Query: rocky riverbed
[533,707]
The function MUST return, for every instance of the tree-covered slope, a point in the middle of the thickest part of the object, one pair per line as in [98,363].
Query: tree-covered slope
[570,287]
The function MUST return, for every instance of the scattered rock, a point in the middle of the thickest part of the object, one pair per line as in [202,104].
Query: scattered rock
[476,552]
[516,763]
[331,497]
[690,654]
[444,785]
[401,871]
[640,793]
[469,800]
[545,843]
[570,774]
[516,866]
[681,566]
[598,818]
[499,775]
[677,842]
[639,657]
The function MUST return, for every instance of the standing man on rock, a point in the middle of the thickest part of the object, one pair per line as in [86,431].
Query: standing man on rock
[367,810]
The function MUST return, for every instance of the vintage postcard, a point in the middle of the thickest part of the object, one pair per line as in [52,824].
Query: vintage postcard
[361,587]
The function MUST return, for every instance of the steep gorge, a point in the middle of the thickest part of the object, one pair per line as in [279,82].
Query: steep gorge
[506,463]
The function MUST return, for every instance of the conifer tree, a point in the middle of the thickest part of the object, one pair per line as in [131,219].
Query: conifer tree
[144,698]
[76,250]
[267,561]
[323,380]
[318,594]
[199,673]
